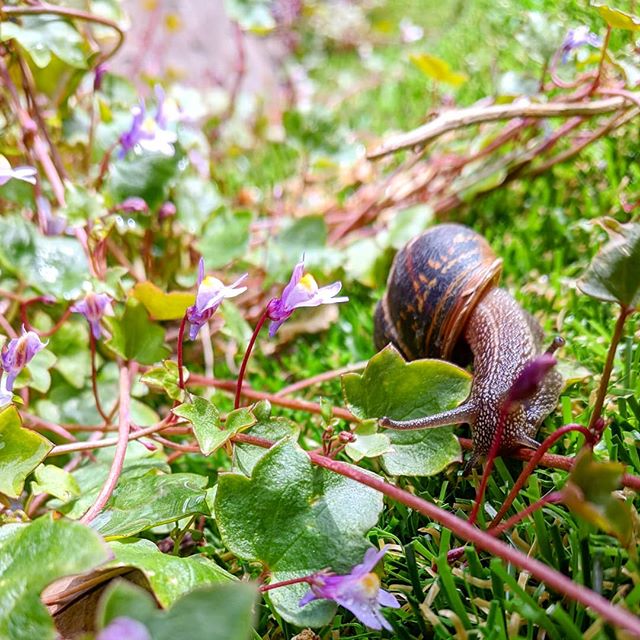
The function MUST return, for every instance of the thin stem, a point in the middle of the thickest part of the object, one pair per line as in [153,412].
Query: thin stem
[183,325]
[247,354]
[484,540]
[533,463]
[124,425]
[322,377]
[284,583]
[605,46]
[551,498]
[94,378]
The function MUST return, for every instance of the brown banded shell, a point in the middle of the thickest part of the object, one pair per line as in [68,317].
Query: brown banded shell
[435,282]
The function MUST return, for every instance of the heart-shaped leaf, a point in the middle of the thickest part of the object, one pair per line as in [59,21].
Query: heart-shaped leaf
[148,501]
[391,387]
[31,557]
[296,519]
[21,452]
[614,275]
[219,612]
[170,577]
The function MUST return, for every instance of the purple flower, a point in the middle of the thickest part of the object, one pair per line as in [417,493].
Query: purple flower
[578,37]
[166,210]
[133,204]
[93,307]
[211,292]
[123,628]
[24,173]
[358,591]
[6,396]
[530,378]
[99,73]
[18,353]
[146,133]
[302,291]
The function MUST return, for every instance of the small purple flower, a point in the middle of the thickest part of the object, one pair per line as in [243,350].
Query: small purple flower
[18,353]
[530,378]
[211,292]
[6,396]
[93,307]
[24,173]
[99,73]
[123,628]
[578,37]
[133,204]
[358,591]
[166,210]
[302,291]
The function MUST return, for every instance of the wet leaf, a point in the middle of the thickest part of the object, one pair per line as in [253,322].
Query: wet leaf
[437,69]
[391,387]
[55,481]
[170,577]
[369,443]
[218,612]
[21,451]
[161,305]
[151,500]
[205,419]
[296,520]
[62,548]
[613,275]
[135,337]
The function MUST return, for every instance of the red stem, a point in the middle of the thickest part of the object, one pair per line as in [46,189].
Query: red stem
[533,463]
[247,354]
[94,378]
[605,46]
[183,324]
[284,583]
[551,498]
[121,449]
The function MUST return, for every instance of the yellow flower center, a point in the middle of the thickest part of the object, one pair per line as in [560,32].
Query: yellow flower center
[370,584]
[308,282]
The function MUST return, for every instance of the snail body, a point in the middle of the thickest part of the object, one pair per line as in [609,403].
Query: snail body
[442,299]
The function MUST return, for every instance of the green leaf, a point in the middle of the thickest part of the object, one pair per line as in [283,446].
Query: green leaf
[369,443]
[52,265]
[36,374]
[148,176]
[391,387]
[21,451]
[614,275]
[135,337]
[225,238]
[55,481]
[205,418]
[148,501]
[218,612]
[239,420]
[618,19]
[437,69]
[161,305]
[195,200]
[246,456]
[296,519]
[589,493]
[170,577]
[31,557]
[166,378]
[44,35]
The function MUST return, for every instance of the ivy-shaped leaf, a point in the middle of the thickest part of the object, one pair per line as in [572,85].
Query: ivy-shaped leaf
[218,612]
[22,450]
[166,378]
[296,519]
[368,443]
[170,577]
[589,493]
[55,481]
[161,305]
[135,337]
[614,275]
[148,501]
[31,557]
[391,387]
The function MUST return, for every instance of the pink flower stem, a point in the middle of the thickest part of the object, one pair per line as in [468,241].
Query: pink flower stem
[124,425]
[551,498]
[484,540]
[488,467]
[247,354]
[284,583]
[94,378]
[533,463]
[183,325]
[605,46]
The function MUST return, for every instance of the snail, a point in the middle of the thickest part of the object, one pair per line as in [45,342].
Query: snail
[443,299]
